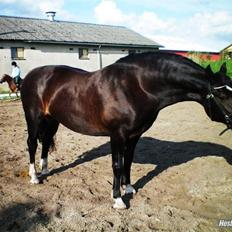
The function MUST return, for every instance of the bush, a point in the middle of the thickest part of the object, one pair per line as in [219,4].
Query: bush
[215,65]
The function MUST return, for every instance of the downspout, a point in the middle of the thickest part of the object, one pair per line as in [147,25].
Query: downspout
[100,56]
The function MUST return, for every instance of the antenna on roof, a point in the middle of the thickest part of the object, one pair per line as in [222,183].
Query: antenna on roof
[51,15]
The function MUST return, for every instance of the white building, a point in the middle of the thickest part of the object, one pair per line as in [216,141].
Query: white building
[34,42]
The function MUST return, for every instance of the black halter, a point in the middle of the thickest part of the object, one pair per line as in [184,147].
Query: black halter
[222,109]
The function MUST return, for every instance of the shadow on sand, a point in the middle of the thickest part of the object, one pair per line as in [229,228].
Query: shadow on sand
[162,154]
[22,217]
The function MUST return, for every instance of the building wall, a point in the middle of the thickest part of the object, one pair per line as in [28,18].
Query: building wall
[41,54]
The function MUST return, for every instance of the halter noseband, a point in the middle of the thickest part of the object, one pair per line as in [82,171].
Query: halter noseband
[226,114]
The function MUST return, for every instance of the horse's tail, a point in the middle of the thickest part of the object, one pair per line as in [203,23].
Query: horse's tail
[45,133]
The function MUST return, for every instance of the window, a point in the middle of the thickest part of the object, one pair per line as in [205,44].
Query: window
[131,51]
[17,53]
[83,53]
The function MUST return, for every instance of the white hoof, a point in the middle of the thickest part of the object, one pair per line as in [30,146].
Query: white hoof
[34,180]
[119,204]
[33,174]
[129,189]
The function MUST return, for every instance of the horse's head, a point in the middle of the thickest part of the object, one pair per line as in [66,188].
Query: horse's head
[4,78]
[219,98]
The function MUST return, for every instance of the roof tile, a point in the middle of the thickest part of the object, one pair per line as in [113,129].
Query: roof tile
[35,30]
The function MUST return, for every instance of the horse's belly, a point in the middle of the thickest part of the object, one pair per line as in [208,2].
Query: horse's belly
[81,125]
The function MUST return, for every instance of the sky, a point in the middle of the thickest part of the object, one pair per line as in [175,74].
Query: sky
[195,25]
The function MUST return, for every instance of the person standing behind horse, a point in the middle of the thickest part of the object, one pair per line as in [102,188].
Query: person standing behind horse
[16,74]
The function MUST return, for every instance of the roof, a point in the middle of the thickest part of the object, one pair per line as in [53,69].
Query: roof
[189,51]
[224,49]
[46,31]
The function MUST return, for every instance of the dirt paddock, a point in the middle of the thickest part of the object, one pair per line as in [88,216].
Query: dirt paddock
[182,171]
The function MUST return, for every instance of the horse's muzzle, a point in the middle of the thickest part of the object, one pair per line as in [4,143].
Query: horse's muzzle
[228,119]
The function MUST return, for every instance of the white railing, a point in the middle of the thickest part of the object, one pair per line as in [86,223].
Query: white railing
[6,96]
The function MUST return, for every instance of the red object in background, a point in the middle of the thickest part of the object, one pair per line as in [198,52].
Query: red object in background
[214,56]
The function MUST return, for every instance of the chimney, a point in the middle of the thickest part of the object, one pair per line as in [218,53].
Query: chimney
[51,15]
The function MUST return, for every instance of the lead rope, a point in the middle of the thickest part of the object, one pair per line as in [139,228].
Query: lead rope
[227,116]
[209,97]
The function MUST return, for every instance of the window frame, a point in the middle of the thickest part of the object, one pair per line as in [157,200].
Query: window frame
[83,56]
[15,53]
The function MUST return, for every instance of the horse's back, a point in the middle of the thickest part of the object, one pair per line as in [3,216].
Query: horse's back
[42,82]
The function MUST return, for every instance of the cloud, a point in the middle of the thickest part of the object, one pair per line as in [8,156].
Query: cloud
[213,23]
[108,12]
[149,22]
[200,31]
[7,1]
[190,24]
[183,43]
[31,8]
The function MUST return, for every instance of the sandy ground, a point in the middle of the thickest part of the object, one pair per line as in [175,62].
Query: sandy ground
[182,171]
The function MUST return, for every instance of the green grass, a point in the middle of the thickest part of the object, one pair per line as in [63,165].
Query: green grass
[216,65]
[4,90]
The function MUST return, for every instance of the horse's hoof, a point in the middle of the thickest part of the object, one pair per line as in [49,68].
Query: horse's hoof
[129,189]
[119,204]
[34,181]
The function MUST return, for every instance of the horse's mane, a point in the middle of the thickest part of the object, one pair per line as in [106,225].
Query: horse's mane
[7,76]
[152,56]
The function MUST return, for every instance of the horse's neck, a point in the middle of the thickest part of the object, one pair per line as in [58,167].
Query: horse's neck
[171,97]
[177,90]
[11,83]
[9,79]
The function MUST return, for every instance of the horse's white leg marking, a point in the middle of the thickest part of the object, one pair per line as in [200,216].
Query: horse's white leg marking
[129,189]
[33,174]
[119,204]
[44,166]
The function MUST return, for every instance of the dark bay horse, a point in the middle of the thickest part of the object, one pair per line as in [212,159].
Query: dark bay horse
[12,86]
[121,101]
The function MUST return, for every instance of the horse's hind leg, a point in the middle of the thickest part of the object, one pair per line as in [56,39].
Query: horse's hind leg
[48,129]
[32,125]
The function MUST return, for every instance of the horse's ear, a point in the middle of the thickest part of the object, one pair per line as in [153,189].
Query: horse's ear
[223,68]
[208,69]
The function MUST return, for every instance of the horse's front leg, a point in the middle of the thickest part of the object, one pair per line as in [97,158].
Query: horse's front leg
[128,158]
[117,147]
